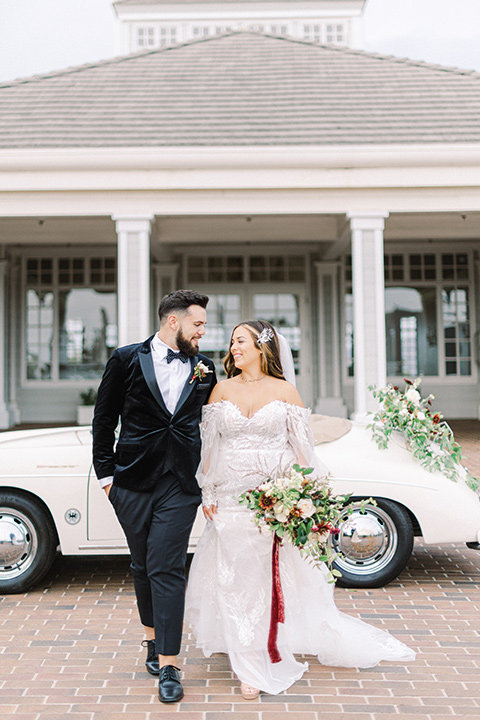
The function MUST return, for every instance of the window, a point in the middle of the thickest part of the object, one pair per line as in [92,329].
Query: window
[168,36]
[201,31]
[153,36]
[348,339]
[422,266]
[282,310]
[427,314]
[146,37]
[394,269]
[325,33]
[70,323]
[215,269]
[278,29]
[236,268]
[40,322]
[334,33]
[456,331]
[411,335]
[277,268]
[454,266]
[223,315]
[312,33]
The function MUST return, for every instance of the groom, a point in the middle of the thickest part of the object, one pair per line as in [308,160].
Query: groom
[157,389]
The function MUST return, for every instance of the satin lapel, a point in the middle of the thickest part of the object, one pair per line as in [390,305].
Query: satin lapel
[188,387]
[146,364]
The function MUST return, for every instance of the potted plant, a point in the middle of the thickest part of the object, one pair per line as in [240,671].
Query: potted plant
[85,410]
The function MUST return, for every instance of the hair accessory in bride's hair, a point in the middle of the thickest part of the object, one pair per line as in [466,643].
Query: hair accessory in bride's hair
[265,336]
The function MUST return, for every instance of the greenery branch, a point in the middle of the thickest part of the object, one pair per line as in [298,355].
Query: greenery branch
[427,435]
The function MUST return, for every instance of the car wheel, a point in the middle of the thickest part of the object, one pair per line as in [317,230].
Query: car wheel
[374,546]
[28,541]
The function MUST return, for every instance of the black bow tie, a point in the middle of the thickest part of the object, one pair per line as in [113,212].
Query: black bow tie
[180,355]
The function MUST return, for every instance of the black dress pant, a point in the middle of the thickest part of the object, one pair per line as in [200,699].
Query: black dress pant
[157,525]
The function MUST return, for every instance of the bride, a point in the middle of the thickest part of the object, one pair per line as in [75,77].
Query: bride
[254,425]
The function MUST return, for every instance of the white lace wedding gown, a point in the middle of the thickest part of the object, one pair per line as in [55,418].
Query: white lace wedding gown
[229,587]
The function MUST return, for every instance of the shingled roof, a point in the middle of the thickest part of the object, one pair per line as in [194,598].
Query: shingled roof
[242,88]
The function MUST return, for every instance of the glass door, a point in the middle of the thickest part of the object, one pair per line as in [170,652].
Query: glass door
[224,311]
[283,310]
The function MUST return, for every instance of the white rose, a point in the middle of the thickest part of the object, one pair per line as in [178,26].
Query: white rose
[265,530]
[403,412]
[420,416]
[412,396]
[306,507]
[204,368]
[281,513]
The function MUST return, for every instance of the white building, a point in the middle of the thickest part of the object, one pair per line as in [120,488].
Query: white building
[144,24]
[272,173]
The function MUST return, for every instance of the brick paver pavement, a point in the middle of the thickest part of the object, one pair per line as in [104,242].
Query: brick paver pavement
[71,647]
[467,433]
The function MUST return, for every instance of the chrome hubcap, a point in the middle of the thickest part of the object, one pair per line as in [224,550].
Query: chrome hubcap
[18,543]
[366,542]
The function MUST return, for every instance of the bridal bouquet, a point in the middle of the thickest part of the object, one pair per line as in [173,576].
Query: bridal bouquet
[300,509]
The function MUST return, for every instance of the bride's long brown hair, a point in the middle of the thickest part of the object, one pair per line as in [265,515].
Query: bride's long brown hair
[270,362]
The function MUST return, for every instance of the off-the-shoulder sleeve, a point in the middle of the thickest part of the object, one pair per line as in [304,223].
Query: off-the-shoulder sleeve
[211,440]
[301,439]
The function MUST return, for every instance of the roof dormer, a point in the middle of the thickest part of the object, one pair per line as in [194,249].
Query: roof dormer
[149,24]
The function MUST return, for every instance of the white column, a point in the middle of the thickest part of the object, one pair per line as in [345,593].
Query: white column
[4,412]
[14,337]
[329,401]
[133,278]
[368,309]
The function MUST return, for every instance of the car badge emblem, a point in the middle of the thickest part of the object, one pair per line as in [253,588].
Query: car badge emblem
[73,516]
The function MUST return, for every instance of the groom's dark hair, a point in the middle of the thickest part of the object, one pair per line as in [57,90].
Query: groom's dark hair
[180,301]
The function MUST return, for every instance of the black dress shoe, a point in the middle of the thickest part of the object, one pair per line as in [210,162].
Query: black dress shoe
[151,663]
[169,686]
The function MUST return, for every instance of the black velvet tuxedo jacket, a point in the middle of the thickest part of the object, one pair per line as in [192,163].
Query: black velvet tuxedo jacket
[152,440]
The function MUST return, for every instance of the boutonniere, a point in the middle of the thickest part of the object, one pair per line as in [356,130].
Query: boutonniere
[200,371]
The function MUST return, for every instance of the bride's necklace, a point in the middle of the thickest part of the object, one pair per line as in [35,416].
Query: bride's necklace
[254,380]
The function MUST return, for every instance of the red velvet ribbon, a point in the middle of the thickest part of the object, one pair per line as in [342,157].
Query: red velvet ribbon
[277,614]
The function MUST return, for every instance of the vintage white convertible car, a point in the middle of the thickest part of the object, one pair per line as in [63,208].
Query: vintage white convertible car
[50,499]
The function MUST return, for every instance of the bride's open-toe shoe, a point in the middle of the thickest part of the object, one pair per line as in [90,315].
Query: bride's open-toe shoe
[249,692]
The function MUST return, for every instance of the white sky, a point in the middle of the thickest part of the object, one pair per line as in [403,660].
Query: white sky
[37,36]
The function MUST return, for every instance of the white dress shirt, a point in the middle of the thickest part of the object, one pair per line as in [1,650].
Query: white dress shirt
[171,378]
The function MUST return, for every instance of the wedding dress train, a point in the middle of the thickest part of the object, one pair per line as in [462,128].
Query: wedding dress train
[228,594]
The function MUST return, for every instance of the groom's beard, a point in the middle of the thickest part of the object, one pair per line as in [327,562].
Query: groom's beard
[186,346]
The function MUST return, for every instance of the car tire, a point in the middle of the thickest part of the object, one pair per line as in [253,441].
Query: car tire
[28,542]
[375,546]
